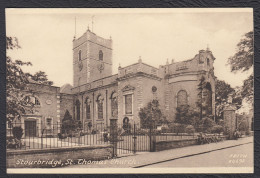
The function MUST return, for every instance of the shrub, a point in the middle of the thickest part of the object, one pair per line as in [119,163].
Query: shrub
[18,132]
[217,129]
[207,124]
[177,128]
[141,132]
[165,129]
[127,127]
[189,129]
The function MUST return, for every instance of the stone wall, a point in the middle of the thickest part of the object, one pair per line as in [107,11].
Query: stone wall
[166,145]
[57,157]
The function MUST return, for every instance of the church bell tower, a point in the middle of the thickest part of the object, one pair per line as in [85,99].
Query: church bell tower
[92,58]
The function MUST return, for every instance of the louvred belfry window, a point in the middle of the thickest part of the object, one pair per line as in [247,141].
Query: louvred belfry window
[182,98]
[128,104]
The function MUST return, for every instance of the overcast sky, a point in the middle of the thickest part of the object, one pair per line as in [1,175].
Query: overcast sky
[46,35]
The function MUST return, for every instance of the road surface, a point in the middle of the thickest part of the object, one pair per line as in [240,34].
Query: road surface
[238,156]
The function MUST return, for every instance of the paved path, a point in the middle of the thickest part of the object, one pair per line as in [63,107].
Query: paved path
[145,159]
[238,156]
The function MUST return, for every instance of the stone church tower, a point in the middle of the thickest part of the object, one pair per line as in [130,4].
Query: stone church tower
[92,58]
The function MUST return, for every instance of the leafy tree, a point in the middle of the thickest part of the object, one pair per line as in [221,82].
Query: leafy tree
[200,102]
[186,115]
[40,77]
[243,123]
[68,124]
[248,90]
[243,58]
[223,90]
[17,81]
[242,61]
[151,115]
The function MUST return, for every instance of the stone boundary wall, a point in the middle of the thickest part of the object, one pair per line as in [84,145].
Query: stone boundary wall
[58,157]
[166,145]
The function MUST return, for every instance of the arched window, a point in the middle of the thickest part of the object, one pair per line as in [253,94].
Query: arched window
[100,55]
[100,107]
[114,107]
[87,102]
[79,55]
[182,98]
[78,110]
[208,62]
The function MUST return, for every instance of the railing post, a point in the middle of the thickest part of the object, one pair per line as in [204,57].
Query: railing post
[134,137]
[114,135]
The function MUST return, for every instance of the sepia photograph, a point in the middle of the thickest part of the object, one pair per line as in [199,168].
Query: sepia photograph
[123,90]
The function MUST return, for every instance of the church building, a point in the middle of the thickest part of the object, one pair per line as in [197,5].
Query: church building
[97,96]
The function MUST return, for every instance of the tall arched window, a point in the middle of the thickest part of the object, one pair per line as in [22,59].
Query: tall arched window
[100,55]
[79,55]
[77,110]
[100,107]
[87,102]
[182,98]
[207,96]
[114,107]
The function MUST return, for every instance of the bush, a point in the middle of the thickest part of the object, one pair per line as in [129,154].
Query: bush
[177,128]
[18,132]
[141,132]
[189,129]
[127,127]
[217,129]
[207,124]
[165,129]
[15,141]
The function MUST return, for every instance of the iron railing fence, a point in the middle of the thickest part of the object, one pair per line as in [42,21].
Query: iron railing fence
[130,138]
[33,135]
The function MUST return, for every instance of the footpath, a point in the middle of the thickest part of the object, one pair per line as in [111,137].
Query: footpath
[142,159]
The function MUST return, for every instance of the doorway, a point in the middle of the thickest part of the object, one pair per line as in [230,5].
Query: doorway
[30,128]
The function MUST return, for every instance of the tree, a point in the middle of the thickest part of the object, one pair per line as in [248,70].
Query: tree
[242,61]
[200,103]
[223,91]
[151,115]
[243,58]
[186,115]
[40,77]
[248,90]
[17,81]
[68,124]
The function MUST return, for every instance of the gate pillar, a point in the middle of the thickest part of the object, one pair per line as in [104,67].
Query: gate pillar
[114,135]
[230,118]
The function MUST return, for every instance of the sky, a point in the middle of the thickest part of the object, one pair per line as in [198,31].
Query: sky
[45,37]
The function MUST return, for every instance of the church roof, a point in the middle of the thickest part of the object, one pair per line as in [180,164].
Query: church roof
[66,88]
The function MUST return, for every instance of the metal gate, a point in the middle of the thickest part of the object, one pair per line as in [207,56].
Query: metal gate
[129,139]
